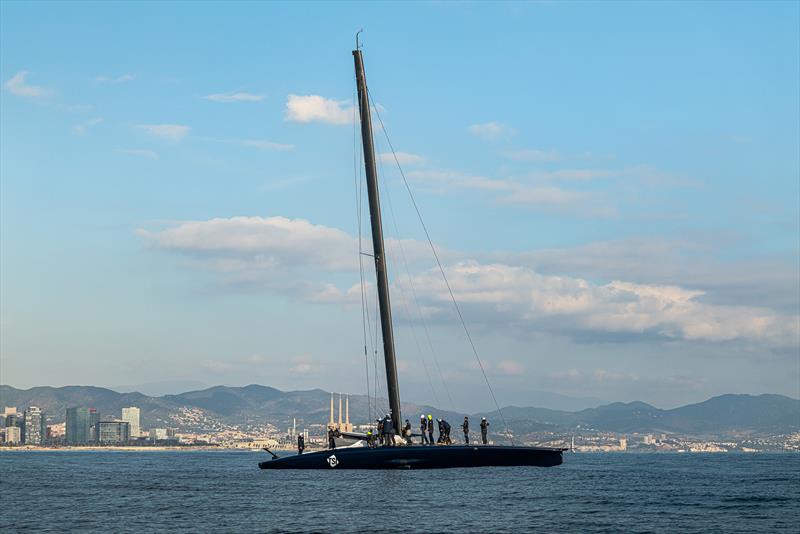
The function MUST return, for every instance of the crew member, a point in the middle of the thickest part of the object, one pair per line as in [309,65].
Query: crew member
[484,430]
[430,429]
[446,428]
[331,436]
[407,432]
[423,428]
[465,428]
[370,439]
[388,430]
[301,444]
[380,430]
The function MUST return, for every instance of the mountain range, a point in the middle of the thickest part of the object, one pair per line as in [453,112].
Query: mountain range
[223,407]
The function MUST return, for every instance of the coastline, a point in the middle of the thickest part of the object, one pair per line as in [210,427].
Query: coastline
[134,449]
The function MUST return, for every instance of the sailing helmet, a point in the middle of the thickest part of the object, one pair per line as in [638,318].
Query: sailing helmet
[430,417]
[422,416]
[483,418]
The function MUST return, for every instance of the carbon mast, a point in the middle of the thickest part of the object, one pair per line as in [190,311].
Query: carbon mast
[377,241]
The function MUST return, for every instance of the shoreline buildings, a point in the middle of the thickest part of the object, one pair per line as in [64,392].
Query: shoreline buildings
[131,415]
[79,424]
[34,426]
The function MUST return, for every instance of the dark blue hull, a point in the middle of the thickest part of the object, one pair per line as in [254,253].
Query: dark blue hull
[419,457]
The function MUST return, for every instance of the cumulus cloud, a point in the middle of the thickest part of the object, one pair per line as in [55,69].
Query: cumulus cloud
[115,79]
[234,97]
[404,158]
[263,144]
[17,85]
[169,132]
[240,243]
[492,130]
[521,296]
[287,254]
[507,191]
[315,108]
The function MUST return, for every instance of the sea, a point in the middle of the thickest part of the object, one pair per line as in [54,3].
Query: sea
[224,491]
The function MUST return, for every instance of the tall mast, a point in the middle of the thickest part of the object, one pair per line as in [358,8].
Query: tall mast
[377,241]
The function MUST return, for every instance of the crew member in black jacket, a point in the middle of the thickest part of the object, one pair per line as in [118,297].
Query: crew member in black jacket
[301,444]
[484,430]
[423,427]
[444,432]
[465,428]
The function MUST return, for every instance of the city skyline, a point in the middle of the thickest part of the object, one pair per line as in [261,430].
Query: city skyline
[612,190]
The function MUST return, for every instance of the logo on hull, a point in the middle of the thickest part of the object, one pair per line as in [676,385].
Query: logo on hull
[333,461]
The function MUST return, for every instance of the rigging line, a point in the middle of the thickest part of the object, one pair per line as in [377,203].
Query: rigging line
[408,313]
[357,184]
[416,303]
[441,269]
[419,312]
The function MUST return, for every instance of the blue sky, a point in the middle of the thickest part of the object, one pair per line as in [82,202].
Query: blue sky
[613,189]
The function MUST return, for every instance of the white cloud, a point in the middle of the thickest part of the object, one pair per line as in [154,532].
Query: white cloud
[588,204]
[263,144]
[404,158]
[499,293]
[234,97]
[539,156]
[115,79]
[16,85]
[83,127]
[247,243]
[492,130]
[170,132]
[284,254]
[315,108]
[142,153]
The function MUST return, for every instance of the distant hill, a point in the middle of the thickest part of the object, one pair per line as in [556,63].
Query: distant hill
[722,414]
[222,407]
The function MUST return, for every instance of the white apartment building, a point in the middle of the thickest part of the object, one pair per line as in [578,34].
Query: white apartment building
[131,416]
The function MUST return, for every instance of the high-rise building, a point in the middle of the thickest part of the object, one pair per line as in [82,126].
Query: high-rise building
[13,435]
[112,431]
[35,426]
[79,422]
[13,420]
[131,415]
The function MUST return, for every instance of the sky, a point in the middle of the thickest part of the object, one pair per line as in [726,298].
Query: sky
[613,190]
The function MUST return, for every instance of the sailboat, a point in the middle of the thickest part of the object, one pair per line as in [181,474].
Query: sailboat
[402,456]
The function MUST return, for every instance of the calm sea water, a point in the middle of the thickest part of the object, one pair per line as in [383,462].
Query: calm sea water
[226,492]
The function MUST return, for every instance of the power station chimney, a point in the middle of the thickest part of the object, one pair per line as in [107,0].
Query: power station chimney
[340,411]
[347,426]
